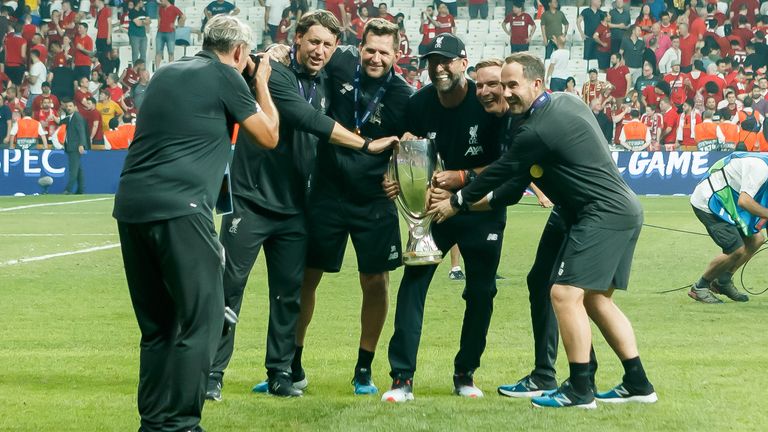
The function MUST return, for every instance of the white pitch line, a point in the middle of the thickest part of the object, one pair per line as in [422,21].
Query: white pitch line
[52,204]
[56,234]
[60,254]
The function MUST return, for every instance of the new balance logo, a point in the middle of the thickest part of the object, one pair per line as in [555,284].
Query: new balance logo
[393,254]
[492,237]
[233,227]
[561,399]
[562,269]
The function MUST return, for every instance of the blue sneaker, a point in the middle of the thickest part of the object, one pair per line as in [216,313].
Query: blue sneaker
[261,387]
[525,388]
[624,394]
[565,397]
[364,383]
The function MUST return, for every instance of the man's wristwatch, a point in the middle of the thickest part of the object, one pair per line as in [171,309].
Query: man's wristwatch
[457,202]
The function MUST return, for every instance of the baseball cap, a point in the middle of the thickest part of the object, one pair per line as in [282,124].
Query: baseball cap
[45,84]
[446,45]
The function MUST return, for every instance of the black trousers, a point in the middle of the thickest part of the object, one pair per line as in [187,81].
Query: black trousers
[284,238]
[479,236]
[75,173]
[543,319]
[174,270]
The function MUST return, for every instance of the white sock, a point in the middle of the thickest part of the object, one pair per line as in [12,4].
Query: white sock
[457,268]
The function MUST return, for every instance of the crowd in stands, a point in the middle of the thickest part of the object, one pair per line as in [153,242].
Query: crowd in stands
[681,75]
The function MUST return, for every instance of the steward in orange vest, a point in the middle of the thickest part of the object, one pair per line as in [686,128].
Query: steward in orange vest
[635,135]
[707,134]
[730,133]
[26,132]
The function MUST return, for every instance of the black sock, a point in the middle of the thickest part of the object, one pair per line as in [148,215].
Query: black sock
[579,377]
[634,374]
[296,363]
[592,366]
[703,283]
[725,278]
[364,359]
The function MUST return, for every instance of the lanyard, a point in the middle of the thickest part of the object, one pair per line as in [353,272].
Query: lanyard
[360,121]
[295,67]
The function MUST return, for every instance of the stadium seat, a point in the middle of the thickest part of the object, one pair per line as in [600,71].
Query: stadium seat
[462,27]
[463,12]
[478,26]
[494,52]
[498,12]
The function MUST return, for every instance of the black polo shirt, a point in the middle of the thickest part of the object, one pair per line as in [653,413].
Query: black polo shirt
[177,160]
[561,147]
[350,173]
[591,20]
[279,180]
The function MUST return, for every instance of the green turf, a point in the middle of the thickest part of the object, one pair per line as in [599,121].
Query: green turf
[69,356]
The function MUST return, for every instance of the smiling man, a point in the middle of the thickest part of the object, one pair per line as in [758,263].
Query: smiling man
[347,200]
[270,193]
[601,213]
[467,138]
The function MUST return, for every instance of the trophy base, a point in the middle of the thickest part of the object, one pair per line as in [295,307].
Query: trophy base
[422,258]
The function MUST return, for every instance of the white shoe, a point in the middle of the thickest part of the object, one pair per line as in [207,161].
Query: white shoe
[301,385]
[468,391]
[401,391]
[464,386]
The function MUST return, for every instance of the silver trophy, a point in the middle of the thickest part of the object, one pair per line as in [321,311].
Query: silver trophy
[412,167]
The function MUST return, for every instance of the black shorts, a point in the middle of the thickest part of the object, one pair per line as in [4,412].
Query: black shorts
[596,258]
[15,74]
[725,235]
[373,226]
[590,49]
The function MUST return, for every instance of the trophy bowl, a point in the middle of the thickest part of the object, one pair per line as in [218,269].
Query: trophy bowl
[412,166]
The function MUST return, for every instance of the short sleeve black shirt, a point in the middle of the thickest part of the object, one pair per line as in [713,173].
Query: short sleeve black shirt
[177,160]
[466,136]
[591,20]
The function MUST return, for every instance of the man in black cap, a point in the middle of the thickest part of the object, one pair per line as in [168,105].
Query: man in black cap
[467,139]
[168,187]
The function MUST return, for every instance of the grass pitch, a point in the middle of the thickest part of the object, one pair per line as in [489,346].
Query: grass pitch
[69,356]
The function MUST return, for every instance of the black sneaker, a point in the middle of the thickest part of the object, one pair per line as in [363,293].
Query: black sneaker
[456,275]
[213,390]
[565,397]
[281,384]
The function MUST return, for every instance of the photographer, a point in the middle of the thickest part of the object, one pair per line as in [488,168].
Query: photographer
[172,175]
